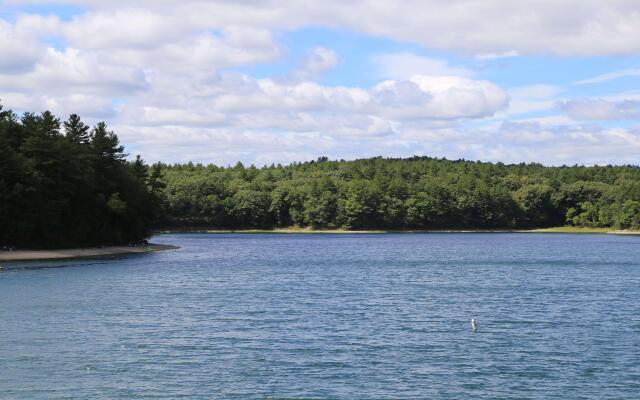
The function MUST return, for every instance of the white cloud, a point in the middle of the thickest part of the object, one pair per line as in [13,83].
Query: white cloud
[15,55]
[227,117]
[444,97]
[406,65]
[74,71]
[599,109]
[91,108]
[610,76]
[122,28]
[567,143]
[495,56]
[164,64]
[206,52]
[234,96]
[320,60]
[571,27]
[20,48]
[531,98]
[491,27]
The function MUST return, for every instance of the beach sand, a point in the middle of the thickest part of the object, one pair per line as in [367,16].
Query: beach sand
[32,255]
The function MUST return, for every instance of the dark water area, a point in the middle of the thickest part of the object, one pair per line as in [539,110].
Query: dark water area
[293,316]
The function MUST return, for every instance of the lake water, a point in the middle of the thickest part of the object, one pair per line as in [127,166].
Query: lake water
[330,317]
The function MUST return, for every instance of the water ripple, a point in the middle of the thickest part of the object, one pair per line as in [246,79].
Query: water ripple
[329,317]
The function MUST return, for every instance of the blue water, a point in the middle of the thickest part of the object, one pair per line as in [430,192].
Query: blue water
[330,317]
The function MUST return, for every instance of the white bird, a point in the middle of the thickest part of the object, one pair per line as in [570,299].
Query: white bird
[474,326]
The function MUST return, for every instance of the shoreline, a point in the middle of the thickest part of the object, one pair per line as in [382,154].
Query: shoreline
[61,254]
[76,253]
[296,230]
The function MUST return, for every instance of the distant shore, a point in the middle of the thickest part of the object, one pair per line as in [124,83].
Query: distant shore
[576,229]
[57,254]
[36,255]
[560,229]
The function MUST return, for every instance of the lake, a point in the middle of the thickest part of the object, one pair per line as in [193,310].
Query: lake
[329,316]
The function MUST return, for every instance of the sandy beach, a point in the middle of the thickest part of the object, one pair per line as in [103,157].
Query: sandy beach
[32,255]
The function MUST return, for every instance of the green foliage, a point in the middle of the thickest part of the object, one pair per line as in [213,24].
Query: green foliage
[76,131]
[76,188]
[627,215]
[116,205]
[414,193]
[70,189]
[537,205]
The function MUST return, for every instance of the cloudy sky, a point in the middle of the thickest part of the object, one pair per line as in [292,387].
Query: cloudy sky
[279,81]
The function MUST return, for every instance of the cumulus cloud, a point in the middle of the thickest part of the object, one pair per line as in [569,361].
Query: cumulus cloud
[91,108]
[228,107]
[406,65]
[162,73]
[571,27]
[532,98]
[59,72]
[319,60]
[568,143]
[599,109]
[239,100]
[15,55]
[122,28]
[443,97]
[516,141]
[492,27]
[20,48]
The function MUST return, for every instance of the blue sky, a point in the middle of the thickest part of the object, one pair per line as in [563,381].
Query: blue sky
[275,81]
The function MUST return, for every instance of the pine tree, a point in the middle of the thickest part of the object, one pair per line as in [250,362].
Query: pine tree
[76,130]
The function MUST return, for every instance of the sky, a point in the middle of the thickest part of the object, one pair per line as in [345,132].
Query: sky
[555,82]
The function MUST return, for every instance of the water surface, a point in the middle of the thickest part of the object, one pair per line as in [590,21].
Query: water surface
[297,316]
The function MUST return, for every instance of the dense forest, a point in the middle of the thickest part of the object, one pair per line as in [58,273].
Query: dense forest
[67,184]
[415,193]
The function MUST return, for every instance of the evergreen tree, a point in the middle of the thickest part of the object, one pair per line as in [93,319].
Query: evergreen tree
[71,190]
[76,130]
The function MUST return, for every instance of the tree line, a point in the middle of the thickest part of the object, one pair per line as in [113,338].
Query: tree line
[64,183]
[69,184]
[419,193]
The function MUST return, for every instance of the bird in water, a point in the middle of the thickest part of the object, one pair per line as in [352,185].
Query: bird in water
[474,325]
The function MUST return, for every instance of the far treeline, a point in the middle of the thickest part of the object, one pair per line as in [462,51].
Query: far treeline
[419,193]
[63,183]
